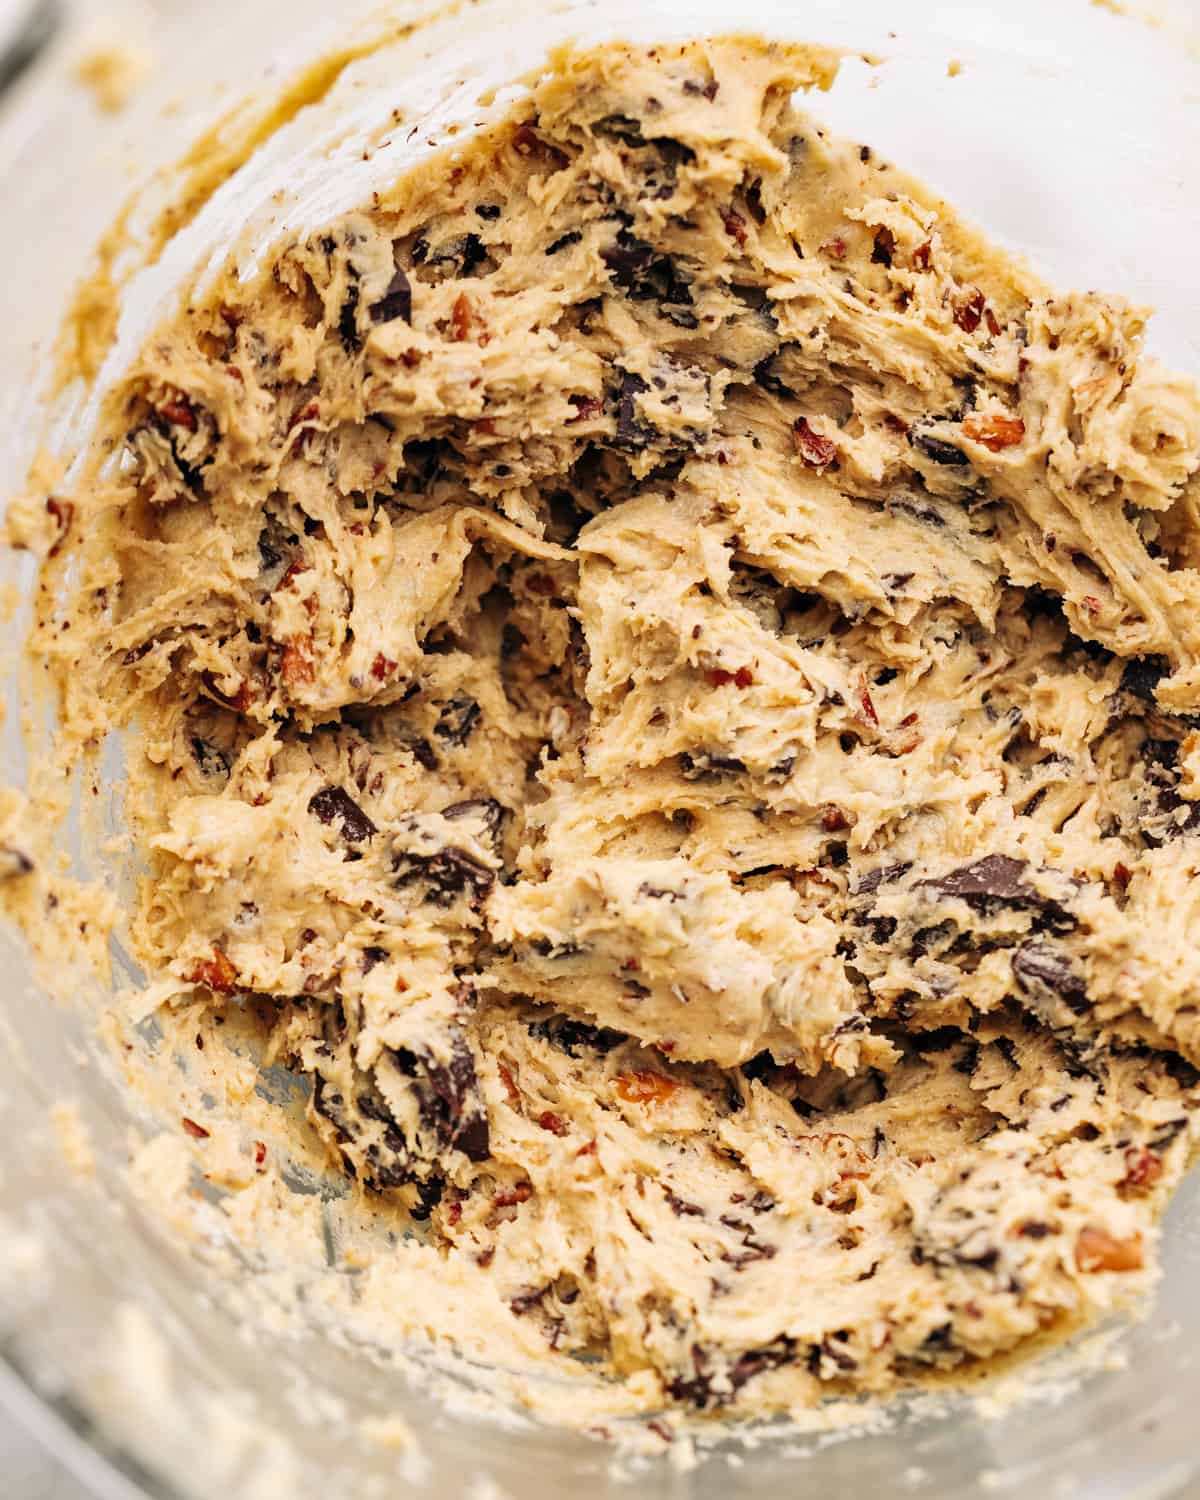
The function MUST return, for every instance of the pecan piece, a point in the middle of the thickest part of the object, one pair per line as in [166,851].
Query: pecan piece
[217,973]
[1097,1250]
[644,1086]
[1143,1168]
[995,432]
[968,313]
[813,447]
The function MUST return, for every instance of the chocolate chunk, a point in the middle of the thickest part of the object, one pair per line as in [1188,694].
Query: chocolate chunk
[396,302]
[429,1195]
[191,474]
[1163,1137]
[632,432]
[488,210]
[658,893]
[464,252]
[645,275]
[544,948]
[681,1207]
[708,765]
[487,809]
[422,753]
[448,874]
[995,877]
[571,1036]
[666,283]
[940,1341]
[457,721]
[627,258]
[985,1260]
[884,247]
[348,317]
[335,802]
[371,956]
[620,128]
[936,449]
[1007,1049]
[1174,815]
[920,511]
[331,1106]
[753,297]
[697,1388]
[449,1109]
[1181,1071]
[572,237]
[211,759]
[525,1302]
[880,875]
[457,1109]
[1040,964]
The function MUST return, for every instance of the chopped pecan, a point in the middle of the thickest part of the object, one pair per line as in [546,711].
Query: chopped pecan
[743,677]
[813,447]
[217,973]
[1097,1250]
[64,513]
[1143,1168]
[968,312]
[995,432]
[644,1086]
[586,408]
[179,412]
[735,226]
[465,321]
[296,663]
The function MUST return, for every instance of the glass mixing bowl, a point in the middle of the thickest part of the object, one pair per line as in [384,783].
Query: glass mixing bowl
[1068,131]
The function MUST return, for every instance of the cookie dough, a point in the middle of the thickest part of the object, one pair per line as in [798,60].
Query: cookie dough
[665,670]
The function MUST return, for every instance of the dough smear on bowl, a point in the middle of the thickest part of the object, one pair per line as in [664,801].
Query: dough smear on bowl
[667,670]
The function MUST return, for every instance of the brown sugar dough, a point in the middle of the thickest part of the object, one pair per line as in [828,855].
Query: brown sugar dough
[671,666]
